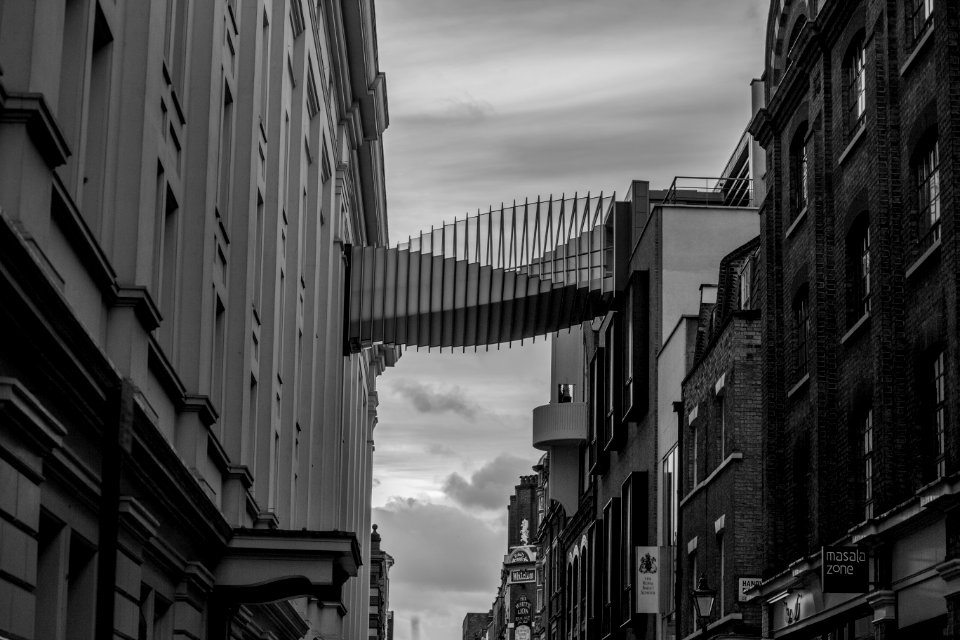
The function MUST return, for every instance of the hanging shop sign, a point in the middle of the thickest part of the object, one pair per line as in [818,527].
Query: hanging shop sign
[648,581]
[521,555]
[522,575]
[744,585]
[845,570]
[522,633]
[521,610]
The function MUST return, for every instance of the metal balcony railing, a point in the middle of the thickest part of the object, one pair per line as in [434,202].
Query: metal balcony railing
[712,192]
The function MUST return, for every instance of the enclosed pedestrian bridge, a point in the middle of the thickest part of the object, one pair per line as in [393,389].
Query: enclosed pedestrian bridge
[509,274]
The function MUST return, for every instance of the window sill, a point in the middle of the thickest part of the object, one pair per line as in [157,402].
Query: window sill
[795,389]
[922,260]
[729,460]
[917,50]
[855,329]
[854,142]
[796,222]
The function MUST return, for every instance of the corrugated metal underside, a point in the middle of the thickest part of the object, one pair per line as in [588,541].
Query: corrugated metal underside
[528,271]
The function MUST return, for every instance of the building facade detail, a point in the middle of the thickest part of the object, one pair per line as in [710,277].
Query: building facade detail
[185,441]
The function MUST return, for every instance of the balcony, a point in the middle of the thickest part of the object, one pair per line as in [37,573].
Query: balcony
[560,424]
[710,192]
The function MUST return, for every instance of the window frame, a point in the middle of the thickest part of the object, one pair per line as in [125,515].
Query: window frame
[799,172]
[918,18]
[855,85]
[926,175]
[867,442]
[801,333]
[938,396]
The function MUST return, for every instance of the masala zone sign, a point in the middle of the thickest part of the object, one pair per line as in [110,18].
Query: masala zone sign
[845,570]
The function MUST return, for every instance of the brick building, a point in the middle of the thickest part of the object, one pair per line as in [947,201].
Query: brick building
[380,616]
[185,448]
[720,509]
[522,513]
[859,295]
[475,625]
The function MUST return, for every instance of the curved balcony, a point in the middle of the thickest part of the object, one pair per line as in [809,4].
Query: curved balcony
[559,425]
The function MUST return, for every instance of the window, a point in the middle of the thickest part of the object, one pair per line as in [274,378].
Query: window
[264,72]
[275,468]
[613,355]
[611,580]
[165,273]
[225,156]
[598,435]
[721,596]
[939,398]
[794,37]
[858,265]
[745,282]
[801,331]
[627,533]
[799,172]
[722,422]
[855,96]
[866,432]
[693,587]
[919,18]
[218,357]
[175,41]
[669,482]
[565,392]
[927,172]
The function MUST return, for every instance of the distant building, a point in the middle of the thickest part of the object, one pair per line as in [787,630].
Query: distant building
[522,515]
[475,625]
[609,534]
[380,614]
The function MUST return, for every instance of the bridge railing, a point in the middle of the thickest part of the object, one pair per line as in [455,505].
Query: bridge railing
[552,238]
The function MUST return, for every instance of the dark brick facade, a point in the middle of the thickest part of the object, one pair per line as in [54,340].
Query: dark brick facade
[722,404]
[523,506]
[874,367]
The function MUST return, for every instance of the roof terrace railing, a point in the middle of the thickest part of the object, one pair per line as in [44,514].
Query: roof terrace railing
[711,192]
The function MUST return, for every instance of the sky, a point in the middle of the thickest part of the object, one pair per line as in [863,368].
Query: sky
[489,102]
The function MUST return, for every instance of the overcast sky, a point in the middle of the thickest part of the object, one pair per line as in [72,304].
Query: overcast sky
[497,100]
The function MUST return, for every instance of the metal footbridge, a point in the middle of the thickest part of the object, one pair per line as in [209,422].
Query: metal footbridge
[522,271]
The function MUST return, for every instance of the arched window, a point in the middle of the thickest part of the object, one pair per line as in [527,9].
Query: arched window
[584,576]
[855,91]
[575,600]
[799,171]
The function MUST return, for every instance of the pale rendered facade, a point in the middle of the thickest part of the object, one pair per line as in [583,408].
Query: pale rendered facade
[185,441]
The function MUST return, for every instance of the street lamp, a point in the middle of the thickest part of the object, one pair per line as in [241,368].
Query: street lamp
[703,599]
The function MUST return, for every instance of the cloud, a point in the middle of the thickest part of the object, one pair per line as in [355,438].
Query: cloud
[490,486]
[428,542]
[431,399]
[440,450]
